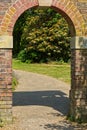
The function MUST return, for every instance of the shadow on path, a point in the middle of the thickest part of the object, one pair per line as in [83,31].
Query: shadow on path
[55,99]
[62,126]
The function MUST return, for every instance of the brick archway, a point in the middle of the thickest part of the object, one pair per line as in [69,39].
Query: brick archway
[78,28]
[70,12]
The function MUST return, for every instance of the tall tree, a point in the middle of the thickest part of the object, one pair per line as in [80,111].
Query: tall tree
[44,36]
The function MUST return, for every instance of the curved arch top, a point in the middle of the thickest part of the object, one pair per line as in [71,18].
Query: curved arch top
[65,7]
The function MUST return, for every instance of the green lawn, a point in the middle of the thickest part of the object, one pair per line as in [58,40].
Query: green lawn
[58,71]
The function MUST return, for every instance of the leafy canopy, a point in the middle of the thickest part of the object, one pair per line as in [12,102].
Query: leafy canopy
[42,35]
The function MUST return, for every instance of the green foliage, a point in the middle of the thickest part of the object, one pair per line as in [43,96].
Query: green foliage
[43,36]
[72,119]
[22,55]
[14,83]
[17,33]
[2,123]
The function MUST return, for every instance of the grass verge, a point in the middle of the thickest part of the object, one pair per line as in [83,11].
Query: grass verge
[58,71]
[14,82]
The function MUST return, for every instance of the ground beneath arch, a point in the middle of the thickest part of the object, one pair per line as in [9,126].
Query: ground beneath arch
[40,103]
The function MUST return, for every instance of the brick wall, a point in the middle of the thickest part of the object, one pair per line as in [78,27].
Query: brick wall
[5,84]
[78,93]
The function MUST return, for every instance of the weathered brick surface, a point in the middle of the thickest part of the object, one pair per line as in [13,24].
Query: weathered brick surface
[78,93]
[70,10]
[5,84]
[79,68]
[78,104]
[82,6]
[75,12]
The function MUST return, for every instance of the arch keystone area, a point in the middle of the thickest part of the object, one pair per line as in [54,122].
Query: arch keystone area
[75,12]
[45,2]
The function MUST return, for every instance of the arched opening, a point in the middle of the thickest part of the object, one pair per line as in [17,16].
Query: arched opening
[46,97]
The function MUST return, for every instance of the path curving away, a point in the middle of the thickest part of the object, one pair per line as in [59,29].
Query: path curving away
[40,103]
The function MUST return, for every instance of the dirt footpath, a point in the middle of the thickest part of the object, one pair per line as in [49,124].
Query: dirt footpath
[40,103]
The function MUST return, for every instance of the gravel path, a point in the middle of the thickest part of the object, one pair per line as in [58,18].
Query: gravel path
[40,103]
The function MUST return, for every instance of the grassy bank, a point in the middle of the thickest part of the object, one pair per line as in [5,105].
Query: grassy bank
[59,71]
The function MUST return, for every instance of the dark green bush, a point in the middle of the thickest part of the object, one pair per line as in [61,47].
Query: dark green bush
[22,56]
